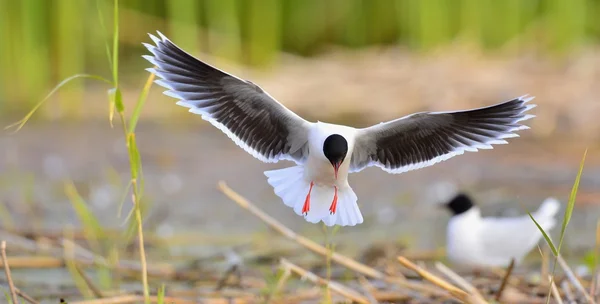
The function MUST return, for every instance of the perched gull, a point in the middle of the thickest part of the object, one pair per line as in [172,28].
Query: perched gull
[324,153]
[476,241]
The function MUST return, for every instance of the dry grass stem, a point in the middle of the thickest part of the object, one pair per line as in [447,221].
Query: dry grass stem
[594,283]
[338,258]
[279,286]
[126,299]
[232,270]
[34,262]
[26,297]
[300,296]
[277,226]
[11,284]
[554,290]
[573,279]
[568,292]
[97,292]
[368,288]
[545,265]
[505,279]
[454,291]
[457,279]
[82,256]
[334,286]
[140,234]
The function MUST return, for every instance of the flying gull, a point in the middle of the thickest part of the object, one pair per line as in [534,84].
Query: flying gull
[317,187]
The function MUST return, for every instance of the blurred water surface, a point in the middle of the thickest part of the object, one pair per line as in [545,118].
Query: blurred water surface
[183,162]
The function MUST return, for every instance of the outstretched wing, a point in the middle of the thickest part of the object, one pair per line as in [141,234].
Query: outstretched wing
[252,118]
[423,139]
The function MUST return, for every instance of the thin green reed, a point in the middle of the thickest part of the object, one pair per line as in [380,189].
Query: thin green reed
[8,69]
[470,20]
[566,22]
[69,29]
[350,22]
[380,22]
[432,24]
[262,31]
[505,13]
[303,24]
[183,16]
[34,47]
[224,28]
[46,41]
[592,24]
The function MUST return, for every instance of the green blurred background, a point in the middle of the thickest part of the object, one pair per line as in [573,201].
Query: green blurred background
[45,41]
[351,61]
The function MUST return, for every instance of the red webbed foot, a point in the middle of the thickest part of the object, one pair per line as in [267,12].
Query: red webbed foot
[333,206]
[306,206]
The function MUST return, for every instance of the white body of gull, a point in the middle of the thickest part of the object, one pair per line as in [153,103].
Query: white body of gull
[476,241]
[317,187]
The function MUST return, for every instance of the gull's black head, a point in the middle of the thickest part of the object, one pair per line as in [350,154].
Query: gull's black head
[335,148]
[459,204]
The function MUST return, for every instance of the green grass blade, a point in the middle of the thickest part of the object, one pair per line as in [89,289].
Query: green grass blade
[107,46]
[6,217]
[115,103]
[91,225]
[69,257]
[134,157]
[571,204]
[19,124]
[161,295]
[137,111]
[115,53]
[93,231]
[548,240]
[123,198]
[182,17]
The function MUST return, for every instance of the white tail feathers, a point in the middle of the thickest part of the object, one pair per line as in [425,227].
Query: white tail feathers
[546,212]
[291,186]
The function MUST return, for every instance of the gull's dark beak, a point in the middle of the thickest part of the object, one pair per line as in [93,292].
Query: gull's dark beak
[336,167]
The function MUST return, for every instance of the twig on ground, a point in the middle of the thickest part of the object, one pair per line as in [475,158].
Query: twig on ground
[126,299]
[505,279]
[554,290]
[474,294]
[368,288]
[300,296]
[454,291]
[276,225]
[337,287]
[26,297]
[222,282]
[597,291]
[235,262]
[95,290]
[568,293]
[594,283]
[35,262]
[573,279]
[163,270]
[11,284]
[314,247]
[279,286]
[460,281]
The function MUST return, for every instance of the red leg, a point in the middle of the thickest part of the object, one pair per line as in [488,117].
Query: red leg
[333,206]
[306,206]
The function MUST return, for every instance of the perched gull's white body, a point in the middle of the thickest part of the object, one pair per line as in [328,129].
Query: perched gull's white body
[477,241]
[324,153]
